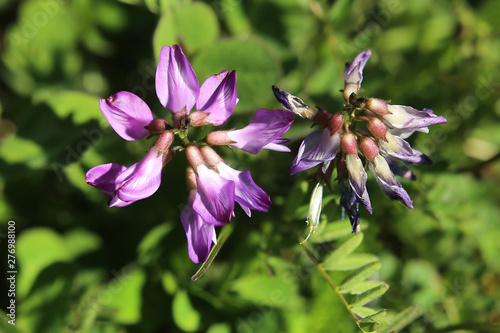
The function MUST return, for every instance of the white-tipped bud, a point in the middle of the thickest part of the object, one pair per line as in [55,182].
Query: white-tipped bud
[314,213]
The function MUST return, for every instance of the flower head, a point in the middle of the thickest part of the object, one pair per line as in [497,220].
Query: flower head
[367,132]
[214,187]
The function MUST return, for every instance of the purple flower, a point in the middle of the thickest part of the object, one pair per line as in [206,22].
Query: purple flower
[127,114]
[381,141]
[215,199]
[387,182]
[247,193]
[178,89]
[200,234]
[263,132]
[405,120]
[127,185]
[353,74]
[318,147]
[399,149]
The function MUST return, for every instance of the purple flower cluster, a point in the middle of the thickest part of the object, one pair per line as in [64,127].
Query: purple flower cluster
[214,187]
[367,132]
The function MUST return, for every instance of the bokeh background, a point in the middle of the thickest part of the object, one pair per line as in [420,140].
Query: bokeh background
[84,267]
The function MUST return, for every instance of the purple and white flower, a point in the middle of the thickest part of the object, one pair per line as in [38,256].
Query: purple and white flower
[381,141]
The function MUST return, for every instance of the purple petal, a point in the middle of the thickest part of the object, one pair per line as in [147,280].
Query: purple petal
[406,120]
[199,233]
[350,202]
[177,86]
[218,97]
[264,131]
[142,179]
[357,179]
[317,147]
[293,103]
[277,145]
[247,193]
[215,202]
[127,114]
[103,177]
[401,150]
[387,182]
[353,72]
[399,169]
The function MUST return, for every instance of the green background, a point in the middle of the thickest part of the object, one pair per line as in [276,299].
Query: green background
[84,267]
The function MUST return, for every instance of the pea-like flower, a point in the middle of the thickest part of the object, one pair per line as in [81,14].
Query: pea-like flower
[367,132]
[214,187]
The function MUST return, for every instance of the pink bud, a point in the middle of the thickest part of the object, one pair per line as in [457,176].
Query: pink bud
[218,138]
[377,128]
[348,143]
[211,156]
[190,178]
[335,123]
[369,148]
[164,141]
[157,126]
[198,118]
[194,156]
[377,106]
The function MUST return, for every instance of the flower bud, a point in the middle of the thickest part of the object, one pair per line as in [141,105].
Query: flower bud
[335,122]
[218,138]
[369,148]
[377,128]
[157,126]
[163,142]
[348,143]
[191,178]
[377,106]
[194,156]
[349,89]
[198,118]
[210,156]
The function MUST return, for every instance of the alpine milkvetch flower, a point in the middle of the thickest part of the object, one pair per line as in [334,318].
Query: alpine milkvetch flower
[367,132]
[214,187]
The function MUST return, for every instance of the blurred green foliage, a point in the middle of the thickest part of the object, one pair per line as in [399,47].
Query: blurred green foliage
[84,267]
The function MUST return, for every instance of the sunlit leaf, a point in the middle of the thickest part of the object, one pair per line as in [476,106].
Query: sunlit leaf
[359,275]
[369,295]
[343,251]
[185,316]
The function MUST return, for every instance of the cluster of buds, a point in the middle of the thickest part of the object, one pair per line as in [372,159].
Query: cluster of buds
[213,185]
[367,132]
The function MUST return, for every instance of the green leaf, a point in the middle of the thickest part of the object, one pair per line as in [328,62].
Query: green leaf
[333,231]
[370,323]
[149,249]
[353,261]
[359,275]
[362,311]
[265,290]
[184,25]
[401,320]
[257,70]
[16,149]
[369,295]
[123,295]
[82,107]
[36,249]
[364,286]
[185,316]
[80,241]
[342,251]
